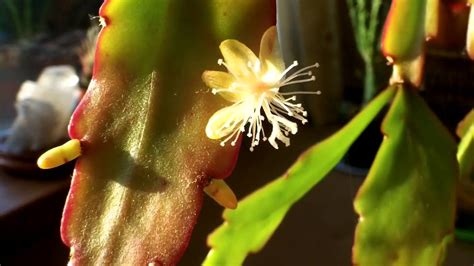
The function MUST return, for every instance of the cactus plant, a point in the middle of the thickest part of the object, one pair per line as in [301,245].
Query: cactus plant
[145,158]
[411,181]
[138,184]
[365,19]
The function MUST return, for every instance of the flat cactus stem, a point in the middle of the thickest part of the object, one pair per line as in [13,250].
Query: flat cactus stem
[432,19]
[406,205]
[136,191]
[470,34]
[403,34]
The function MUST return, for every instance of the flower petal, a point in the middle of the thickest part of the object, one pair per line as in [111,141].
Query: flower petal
[226,121]
[270,53]
[223,83]
[217,79]
[240,60]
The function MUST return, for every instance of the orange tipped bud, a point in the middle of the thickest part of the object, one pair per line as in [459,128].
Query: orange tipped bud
[60,155]
[219,191]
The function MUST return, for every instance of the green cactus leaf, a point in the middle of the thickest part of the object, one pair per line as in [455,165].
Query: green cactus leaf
[404,30]
[249,227]
[406,205]
[465,157]
[466,147]
[137,188]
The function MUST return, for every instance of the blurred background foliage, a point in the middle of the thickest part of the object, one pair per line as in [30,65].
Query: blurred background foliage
[26,18]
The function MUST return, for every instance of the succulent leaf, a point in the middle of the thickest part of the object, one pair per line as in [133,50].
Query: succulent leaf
[406,205]
[137,188]
[403,34]
[248,228]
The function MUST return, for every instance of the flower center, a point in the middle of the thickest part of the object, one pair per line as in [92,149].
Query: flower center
[259,98]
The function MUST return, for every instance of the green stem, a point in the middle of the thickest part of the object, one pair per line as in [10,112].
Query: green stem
[370,88]
[364,24]
[373,20]
[362,17]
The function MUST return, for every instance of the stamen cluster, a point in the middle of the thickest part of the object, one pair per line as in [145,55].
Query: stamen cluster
[253,85]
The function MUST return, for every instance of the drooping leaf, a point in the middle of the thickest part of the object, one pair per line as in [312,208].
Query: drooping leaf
[465,157]
[137,188]
[406,205]
[249,227]
[403,34]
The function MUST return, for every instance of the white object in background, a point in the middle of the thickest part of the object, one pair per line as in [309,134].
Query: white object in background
[44,108]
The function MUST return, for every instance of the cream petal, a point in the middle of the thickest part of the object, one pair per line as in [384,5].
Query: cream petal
[277,134]
[270,53]
[225,121]
[240,60]
[217,79]
[222,82]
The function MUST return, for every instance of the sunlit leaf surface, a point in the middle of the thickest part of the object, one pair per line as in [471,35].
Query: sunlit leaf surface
[406,205]
[137,188]
[249,227]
